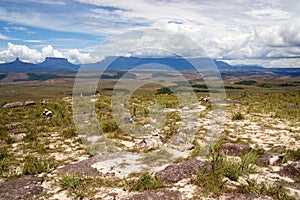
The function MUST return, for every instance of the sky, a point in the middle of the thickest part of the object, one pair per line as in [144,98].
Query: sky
[263,32]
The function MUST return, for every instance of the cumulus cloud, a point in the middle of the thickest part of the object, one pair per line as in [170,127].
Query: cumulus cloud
[27,54]
[249,29]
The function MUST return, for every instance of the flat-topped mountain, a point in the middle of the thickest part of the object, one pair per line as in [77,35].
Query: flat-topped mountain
[52,64]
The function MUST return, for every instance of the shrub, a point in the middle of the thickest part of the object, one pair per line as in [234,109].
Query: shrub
[33,165]
[234,169]
[276,191]
[83,186]
[3,153]
[164,90]
[69,133]
[109,125]
[238,116]
[293,154]
[211,178]
[145,182]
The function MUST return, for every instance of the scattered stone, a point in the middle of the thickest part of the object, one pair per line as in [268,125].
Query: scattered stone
[176,172]
[29,103]
[47,113]
[270,158]
[290,105]
[205,99]
[164,194]
[234,102]
[291,170]
[130,119]
[149,143]
[232,149]
[13,105]
[247,196]
[13,125]
[21,188]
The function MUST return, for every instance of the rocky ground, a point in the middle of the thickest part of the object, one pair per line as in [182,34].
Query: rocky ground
[144,167]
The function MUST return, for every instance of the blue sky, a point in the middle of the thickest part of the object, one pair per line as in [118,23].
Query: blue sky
[250,31]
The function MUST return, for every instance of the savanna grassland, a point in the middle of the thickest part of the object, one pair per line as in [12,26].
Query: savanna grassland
[262,115]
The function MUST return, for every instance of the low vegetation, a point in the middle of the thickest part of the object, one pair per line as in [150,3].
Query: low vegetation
[31,144]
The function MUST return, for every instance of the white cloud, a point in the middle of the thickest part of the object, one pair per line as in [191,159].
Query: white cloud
[4,37]
[48,51]
[49,2]
[20,51]
[249,29]
[27,54]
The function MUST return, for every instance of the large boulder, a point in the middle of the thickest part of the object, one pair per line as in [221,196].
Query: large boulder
[176,172]
[25,187]
[234,149]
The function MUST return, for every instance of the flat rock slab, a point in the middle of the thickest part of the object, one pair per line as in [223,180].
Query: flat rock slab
[233,149]
[107,165]
[13,105]
[82,167]
[158,194]
[248,196]
[21,188]
[291,170]
[176,172]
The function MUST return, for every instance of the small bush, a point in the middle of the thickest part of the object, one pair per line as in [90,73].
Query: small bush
[83,186]
[211,178]
[276,191]
[70,182]
[3,167]
[293,154]
[3,153]
[33,165]
[164,90]
[238,116]
[145,182]
[3,132]
[69,133]
[109,126]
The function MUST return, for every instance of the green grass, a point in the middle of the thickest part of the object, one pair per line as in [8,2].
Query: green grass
[3,152]
[82,186]
[238,116]
[145,182]
[293,154]
[212,178]
[276,191]
[33,165]
[234,169]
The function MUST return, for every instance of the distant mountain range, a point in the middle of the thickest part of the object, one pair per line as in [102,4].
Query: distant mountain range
[126,63]
[49,65]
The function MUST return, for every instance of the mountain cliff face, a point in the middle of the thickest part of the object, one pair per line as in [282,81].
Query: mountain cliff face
[126,63]
[49,65]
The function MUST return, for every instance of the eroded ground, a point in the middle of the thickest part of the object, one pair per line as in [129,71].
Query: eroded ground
[257,154]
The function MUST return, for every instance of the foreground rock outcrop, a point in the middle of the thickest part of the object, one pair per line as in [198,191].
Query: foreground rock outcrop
[291,170]
[233,149]
[21,188]
[164,194]
[176,172]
